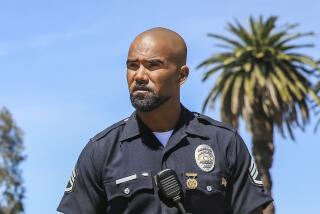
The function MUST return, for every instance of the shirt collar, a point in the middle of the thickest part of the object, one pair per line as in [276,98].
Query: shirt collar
[192,125]
[131,129]
[188,123]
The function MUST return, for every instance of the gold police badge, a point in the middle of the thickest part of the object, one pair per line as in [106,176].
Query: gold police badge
[205,158]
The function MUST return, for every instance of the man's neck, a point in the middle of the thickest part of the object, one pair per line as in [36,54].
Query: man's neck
[163,118]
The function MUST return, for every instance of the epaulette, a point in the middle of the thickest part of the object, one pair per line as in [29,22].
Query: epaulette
[107,130]
[209,121]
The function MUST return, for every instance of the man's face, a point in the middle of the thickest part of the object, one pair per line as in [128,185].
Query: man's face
[152,74]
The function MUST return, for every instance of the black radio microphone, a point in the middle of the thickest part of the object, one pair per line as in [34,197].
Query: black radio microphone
[170,187]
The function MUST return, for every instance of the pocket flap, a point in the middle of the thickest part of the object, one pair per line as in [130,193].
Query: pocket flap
[142,181]
[208,184]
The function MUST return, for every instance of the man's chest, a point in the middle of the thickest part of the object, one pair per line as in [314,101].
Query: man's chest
[199,163]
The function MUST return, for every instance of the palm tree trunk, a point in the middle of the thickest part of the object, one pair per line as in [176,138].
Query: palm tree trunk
[228,119]
[225,118]
[263,149]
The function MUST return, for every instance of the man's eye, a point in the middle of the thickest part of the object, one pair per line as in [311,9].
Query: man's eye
[154,65]
[132,66]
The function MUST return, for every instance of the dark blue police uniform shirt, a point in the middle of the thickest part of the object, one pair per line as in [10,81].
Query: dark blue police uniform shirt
[115,171]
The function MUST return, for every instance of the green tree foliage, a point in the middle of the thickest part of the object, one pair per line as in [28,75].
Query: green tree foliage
[11,148]
[263,78]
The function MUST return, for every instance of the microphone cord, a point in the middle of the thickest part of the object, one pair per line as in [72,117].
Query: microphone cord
[181,208]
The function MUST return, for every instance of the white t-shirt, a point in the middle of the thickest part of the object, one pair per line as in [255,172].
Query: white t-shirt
[163,137]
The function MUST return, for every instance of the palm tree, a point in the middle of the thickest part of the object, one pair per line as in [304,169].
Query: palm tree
[316,106]
[265,81]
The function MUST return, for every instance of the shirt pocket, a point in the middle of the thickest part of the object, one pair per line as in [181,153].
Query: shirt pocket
[122,196]
[209,194]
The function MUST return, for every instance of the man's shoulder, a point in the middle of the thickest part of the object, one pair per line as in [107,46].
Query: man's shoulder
[116,126]
[206,120]
[99,146]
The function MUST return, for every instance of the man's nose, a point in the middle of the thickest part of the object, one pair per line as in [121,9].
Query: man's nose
[141,76]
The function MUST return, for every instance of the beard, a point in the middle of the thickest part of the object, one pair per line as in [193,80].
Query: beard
[146,102]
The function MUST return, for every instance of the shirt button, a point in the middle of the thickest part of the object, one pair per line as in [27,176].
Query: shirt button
[209,188]
[126,191]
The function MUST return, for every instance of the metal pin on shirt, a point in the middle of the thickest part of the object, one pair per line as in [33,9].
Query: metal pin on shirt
[224,182]
[125,179]
[192,183]
[145,174]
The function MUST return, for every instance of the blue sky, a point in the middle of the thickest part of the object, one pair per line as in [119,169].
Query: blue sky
[62,70]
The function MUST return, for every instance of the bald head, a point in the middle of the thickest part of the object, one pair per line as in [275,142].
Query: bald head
[156,68]
[163,40]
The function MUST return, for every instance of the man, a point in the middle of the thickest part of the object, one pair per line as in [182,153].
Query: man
[115,171]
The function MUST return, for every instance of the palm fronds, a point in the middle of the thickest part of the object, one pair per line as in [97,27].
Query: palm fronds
[262,72]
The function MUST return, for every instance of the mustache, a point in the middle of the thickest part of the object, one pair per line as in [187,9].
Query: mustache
[141,88]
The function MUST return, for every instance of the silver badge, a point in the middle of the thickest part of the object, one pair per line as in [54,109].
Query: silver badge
[205,158]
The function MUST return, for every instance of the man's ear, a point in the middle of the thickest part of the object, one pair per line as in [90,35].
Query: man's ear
[183,75]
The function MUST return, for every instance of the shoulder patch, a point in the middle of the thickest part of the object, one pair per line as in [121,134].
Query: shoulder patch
[71,181]
[254,173]
[107,130]
[208,120]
